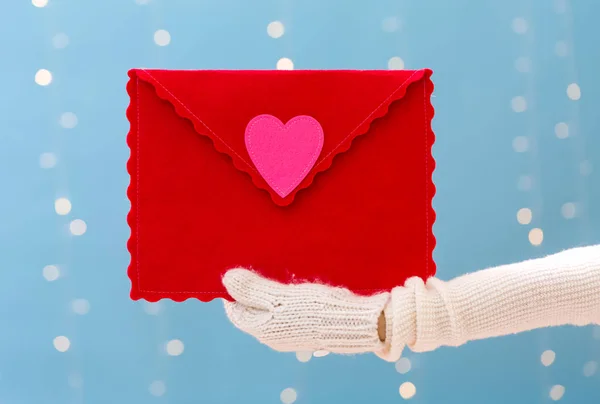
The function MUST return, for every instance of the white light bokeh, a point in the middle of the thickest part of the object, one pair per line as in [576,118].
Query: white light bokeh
[585,168]
[396,63]
[39,3]
[51,273]
[320,354]
[75,381]
[174,347]
[524,216]
[275,29]
[157,388]
[288,396]
[519,25]
[560,6]
[568,210]
[574,92]
[162,37]
[61,343]
[524,183]
[153,308]
[557,392]
[78,227]
[407,390]
[523,64]
[80,306]
[590,369]
[548,358]
[536,236]
[43,77]
[47,160]
[561,49]
[561,130]
[390,24]
[62,206]
[304,356]
[518,104]
[520,144]
[68,120]
[285,64]
[60,41]
[403,366]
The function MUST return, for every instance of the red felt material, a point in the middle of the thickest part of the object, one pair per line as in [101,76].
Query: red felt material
[361,219]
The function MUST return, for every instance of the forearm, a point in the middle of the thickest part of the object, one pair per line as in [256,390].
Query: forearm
[560,289]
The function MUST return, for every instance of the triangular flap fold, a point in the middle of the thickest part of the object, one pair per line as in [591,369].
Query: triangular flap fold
[221,103]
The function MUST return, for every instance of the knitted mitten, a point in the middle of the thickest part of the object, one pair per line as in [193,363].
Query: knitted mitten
[303,317]
[559,289]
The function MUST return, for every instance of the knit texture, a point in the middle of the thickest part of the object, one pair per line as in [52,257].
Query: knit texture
[303,317]
[560,289]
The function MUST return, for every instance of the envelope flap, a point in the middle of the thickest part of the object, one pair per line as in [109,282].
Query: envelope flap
[220,104]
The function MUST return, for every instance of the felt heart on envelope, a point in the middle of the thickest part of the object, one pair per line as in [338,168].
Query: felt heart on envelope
[284,154]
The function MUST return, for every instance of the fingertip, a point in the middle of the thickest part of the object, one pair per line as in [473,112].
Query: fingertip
[248,287]
[235,275]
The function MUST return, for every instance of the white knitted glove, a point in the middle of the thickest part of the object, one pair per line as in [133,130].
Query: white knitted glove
[559,289]
[303,317]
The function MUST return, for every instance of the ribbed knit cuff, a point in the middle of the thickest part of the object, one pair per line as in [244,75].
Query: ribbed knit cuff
[351,326]
[400,323]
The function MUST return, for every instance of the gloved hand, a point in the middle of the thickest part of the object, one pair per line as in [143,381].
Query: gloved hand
[559,289]
[304,317]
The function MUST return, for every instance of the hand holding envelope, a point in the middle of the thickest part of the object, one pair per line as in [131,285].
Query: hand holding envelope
[306,317]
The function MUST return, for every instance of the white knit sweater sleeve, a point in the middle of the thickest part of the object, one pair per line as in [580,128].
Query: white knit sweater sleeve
[560,289]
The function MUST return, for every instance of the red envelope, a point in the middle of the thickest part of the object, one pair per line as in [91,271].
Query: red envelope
[300,175]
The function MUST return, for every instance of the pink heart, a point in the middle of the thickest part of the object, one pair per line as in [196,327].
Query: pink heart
[284,154]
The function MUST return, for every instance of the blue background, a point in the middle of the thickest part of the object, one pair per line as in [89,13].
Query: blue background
[484,176]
